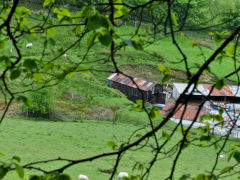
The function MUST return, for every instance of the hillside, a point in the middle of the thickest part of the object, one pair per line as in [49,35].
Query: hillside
[86,96]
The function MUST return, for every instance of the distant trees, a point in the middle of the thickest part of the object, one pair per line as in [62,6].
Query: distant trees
[199,12]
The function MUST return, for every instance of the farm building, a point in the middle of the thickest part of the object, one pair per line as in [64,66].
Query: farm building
[190,112]
[153,92]
[228,94]
[222,127]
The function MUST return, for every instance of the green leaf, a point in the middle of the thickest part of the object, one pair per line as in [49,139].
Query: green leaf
[237,156]
[165,135]
[20,171]
[193,43]
[3,171]
[211,34]
[230,156]
[166,72]
[105,39]
[37,77]
[125,10]
[118,4]
[230,50]
[91,39]
[59,13]
[82,69]
[154,112]
[48,68]
[161,67]
[4,58]
[15,74]
[16,158]
[226,169]
[139,104]
[30,64]
[23,21]
[137,45]
[51,31]
[220,84]
[118,14]
[2,154]
[96,21]
[25,100]
[111,144]
[205,138]
[221,111]
[48,2]
[63,177]
[202,177]
[174,19]
[32,32]
[185,177]
[35,177]
[218,38]
[61,76]
[166,78]
[182,35]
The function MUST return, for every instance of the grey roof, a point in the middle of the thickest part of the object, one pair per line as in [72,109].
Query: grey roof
[182,86]
[204,89]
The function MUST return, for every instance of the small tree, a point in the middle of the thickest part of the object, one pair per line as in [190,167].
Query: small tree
[41,104]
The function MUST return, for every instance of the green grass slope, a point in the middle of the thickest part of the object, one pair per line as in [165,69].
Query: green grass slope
[34,140]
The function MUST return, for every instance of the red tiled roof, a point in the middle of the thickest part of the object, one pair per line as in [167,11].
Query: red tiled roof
[189,114]
[225,91]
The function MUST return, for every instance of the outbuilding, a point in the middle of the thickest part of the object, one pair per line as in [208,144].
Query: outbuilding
[128,85]
[228,94]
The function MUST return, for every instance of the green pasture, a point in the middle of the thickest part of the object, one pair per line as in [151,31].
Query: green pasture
[35,140]
[162,51]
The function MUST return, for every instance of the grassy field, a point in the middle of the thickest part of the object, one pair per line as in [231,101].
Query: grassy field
[35,140]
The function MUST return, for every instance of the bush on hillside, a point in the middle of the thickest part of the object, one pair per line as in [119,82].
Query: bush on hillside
[42,104]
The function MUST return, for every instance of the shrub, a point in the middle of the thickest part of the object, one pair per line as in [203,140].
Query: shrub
[41,103]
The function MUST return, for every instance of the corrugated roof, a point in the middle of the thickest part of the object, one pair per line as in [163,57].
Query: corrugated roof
[123,79]
[225,91]
[205,89]
[181,87]
[189,114]
[235,90]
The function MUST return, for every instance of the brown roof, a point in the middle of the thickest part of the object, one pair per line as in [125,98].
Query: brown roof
[225,91]
[123,79]
[189,114]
